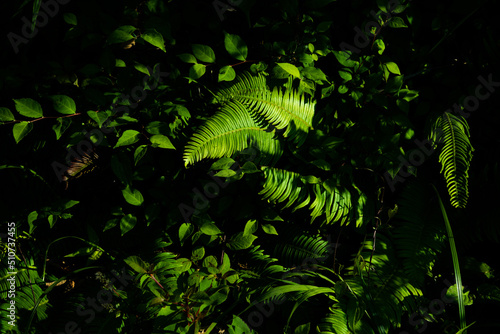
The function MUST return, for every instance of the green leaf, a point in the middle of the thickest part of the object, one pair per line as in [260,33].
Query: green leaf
[133,197]
[290,69]
[21,129]
[227,73]
[250,227]
[121,34]
[127,223]
[70,18]
[198,253]
[393,68]
[235,46]
[269,229]
[137,264]
[197,71]
[396,22]
[29,108]
[343,57]
[239,241]
[379,46]
[222,163]
[120,63]
[187,58]
[394,84]
[209,228]
[161,141]
[142,68]
[203,53]
[185,230]
[140,151]
[98,117]
[314,74]
[6,115]
[127,138]
[154,38]
[302,329]
[226,173]
[64,104]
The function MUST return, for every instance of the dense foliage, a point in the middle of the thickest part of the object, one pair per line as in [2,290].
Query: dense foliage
[249,166]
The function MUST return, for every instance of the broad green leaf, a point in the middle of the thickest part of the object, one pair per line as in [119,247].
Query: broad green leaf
[70,18]
[222,163]
[250,227]
[396,22]
[64,104]
[161,141]
[140,151]
[393,68]
[6,115]
[154,38]
[290,69]
[347,76]
[127,138]
[219,296]
[142,68]
[313,73]
[137,264]
[209,228]
[235,46]
[127,223]
[225,173]
[185,230]
[269,229]
[98,117]
[121,34]
[203,53]
[188,58]
[29,108]
[198,253]
[240,241]
[120,63]
[379,46]
[132,196]
[21,129]
[197,70]
[394,84]
[227,73]
[343,57]
[157,128]
[302,329]
[62,124]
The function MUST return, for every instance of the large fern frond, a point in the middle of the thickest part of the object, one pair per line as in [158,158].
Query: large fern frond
[452,133]
[300,250]
[231,130]
[284,109]
[328,198]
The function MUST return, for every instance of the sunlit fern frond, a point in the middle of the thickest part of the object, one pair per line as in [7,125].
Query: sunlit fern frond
[230,130]
[325,197]
[451,134]
[285,109]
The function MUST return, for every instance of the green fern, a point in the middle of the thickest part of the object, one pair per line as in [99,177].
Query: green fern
[329,198]
[285,110]
[229,131]
[301,248]
[250,115]
[452,132]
